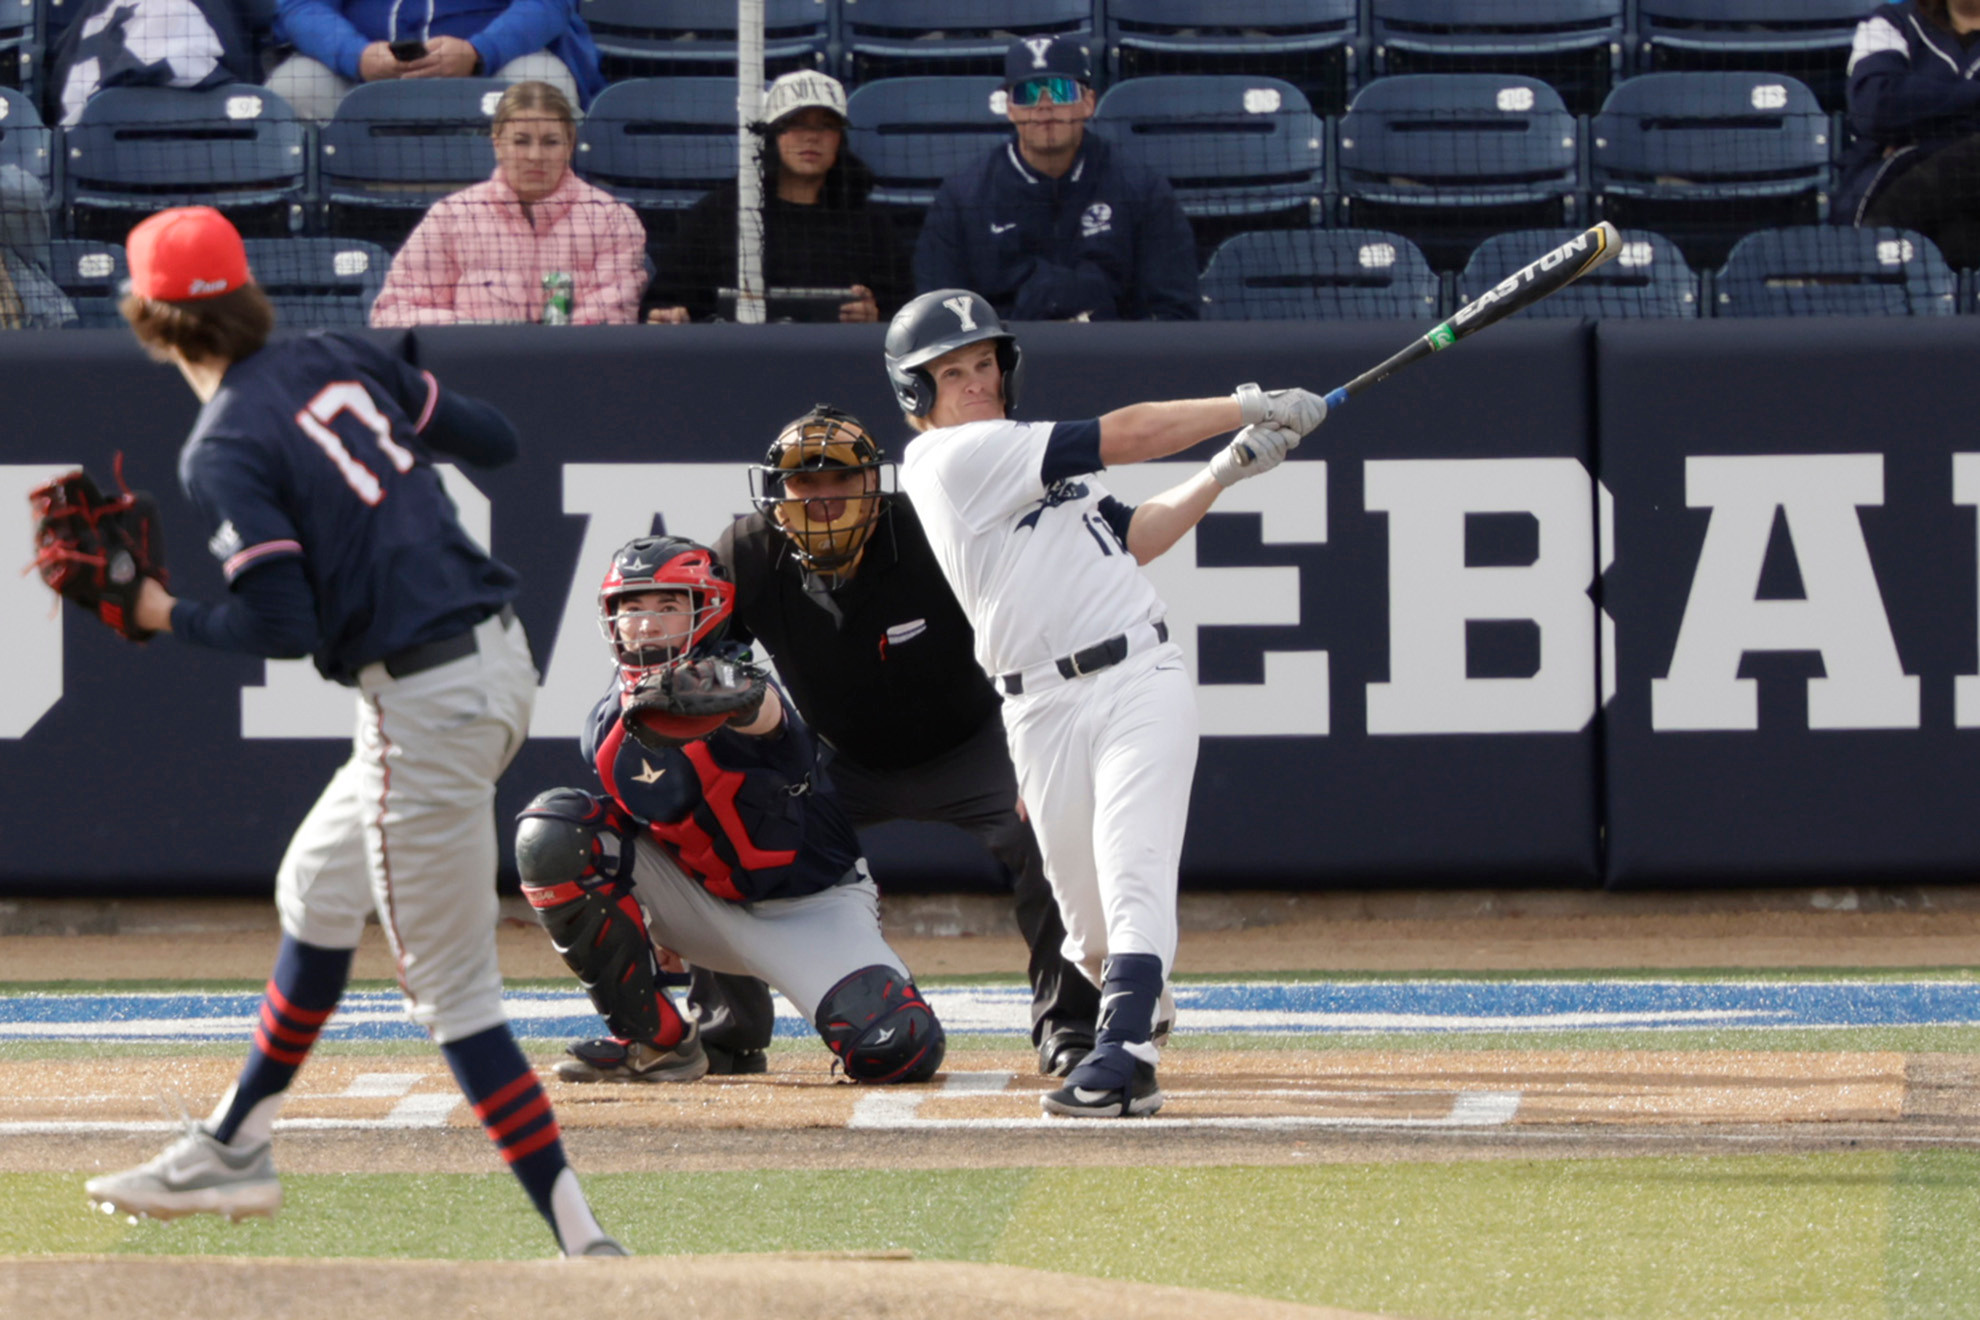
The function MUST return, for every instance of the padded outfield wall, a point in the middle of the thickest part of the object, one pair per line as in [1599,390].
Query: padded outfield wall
[1643,604]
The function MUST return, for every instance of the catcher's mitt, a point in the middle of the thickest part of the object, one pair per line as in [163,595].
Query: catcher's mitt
[691,700]
[95,549]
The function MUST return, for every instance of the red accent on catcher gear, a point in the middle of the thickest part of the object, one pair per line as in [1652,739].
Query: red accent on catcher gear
[551,896]
[185,254]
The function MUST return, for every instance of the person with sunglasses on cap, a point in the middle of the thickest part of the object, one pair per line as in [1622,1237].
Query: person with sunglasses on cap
[312,466]
[818,232]
[1055,225]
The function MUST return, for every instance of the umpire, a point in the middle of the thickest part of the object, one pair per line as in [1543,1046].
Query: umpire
[835,578]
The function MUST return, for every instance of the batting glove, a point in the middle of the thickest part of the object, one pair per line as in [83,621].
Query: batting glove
[1299,411]
[1258,448]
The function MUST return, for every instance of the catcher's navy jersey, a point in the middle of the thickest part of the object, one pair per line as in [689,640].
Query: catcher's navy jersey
[750,818]
[311,449]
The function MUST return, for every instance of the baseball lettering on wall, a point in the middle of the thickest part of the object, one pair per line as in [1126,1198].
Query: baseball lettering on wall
[31,661]
[1841,614]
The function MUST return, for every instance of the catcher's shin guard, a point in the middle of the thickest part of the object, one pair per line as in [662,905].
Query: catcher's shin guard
[880,1027]
[576,864]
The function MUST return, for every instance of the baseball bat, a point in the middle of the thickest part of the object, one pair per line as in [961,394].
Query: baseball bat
[1517,291]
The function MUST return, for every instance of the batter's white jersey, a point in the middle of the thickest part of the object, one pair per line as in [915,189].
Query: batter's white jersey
[1031,543]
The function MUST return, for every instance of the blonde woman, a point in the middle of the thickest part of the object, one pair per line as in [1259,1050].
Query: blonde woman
[481,254]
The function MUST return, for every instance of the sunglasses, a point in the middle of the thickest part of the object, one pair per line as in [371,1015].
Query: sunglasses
[1027,93]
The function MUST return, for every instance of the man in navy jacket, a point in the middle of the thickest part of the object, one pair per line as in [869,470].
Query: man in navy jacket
[1055,225]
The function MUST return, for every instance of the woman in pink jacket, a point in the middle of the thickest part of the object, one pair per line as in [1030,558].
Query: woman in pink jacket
[483,254]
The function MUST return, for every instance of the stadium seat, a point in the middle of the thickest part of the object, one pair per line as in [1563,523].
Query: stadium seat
[17,45]
[1241,152]
[1575,46]
[24,141]
[318,283]
[1830,270]
[1319,275]
[136,150]
[394,148]
[1311,44]
[910,38]
[659,144]
[92,274]
[1649,277]
[644,39]
[1448,158]
[915,132]
[1704,158]
[1808,39]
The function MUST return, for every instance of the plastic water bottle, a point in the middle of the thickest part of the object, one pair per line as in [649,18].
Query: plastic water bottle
[557,298]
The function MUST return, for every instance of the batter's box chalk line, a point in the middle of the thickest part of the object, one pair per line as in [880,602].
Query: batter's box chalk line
[898,1110]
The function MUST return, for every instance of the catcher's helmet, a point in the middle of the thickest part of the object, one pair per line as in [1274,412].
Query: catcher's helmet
[938,323]
[665,563]
[823,439]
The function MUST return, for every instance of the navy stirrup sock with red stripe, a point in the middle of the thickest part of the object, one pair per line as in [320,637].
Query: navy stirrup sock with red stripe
[302,992]
[511,1105]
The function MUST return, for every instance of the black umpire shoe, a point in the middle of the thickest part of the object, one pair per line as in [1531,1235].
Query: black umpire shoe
[1141,1097]
[734,1063]
[1063,1050]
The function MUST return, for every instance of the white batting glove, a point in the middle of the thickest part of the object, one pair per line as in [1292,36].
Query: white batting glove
[1255,449]
[1299,411]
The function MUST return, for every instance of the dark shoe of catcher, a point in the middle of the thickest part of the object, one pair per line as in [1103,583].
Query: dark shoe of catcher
[1141,1097]
[611,1060]
[1062,1052]
[735,1063]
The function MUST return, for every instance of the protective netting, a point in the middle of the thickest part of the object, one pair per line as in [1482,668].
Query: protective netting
[1070,159]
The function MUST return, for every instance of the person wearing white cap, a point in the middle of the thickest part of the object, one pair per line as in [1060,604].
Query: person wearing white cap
[818,232]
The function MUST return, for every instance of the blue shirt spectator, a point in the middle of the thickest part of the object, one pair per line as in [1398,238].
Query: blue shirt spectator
[1053,225]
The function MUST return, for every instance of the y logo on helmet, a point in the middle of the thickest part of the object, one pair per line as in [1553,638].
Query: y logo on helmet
[1038,46]
[964,310]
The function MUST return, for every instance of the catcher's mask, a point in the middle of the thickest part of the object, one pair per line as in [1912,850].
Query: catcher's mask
[664,563]
[827,532]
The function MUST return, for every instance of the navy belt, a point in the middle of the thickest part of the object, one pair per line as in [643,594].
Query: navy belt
[431,655]
[1099,656]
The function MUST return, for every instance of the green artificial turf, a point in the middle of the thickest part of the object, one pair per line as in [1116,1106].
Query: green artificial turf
[1859,1236]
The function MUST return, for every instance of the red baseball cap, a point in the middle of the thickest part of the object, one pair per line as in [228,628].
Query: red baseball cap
[184,254]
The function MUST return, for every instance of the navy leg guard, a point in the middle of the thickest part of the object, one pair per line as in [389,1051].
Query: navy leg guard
[881,1028]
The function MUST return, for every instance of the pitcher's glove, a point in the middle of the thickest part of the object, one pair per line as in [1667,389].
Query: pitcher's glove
[96,549]
[690,700]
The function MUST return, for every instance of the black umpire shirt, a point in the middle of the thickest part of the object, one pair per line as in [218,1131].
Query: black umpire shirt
[882,667]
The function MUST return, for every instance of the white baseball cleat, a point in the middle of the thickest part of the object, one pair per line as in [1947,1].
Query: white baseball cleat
[195,1175]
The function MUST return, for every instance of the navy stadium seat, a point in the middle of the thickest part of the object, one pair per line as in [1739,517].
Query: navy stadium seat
[907,38]
[1575,46]
[1809,39]
[915,132]
[17,45]
[1448,158]
[318,283]
[394,148]
[1309,43]
[1240,152]
[644,38]
[136,150]
[1830,270]
[24,141]
[1703,158]
[659,144]
[93,275]
[1319,275]
[1649,277]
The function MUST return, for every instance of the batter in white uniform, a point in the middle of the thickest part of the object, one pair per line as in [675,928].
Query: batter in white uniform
[1097,706]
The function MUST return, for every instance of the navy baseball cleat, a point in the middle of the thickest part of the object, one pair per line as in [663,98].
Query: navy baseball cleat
[1139,1098]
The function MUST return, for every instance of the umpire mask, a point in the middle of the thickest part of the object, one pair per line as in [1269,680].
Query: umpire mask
[821,485]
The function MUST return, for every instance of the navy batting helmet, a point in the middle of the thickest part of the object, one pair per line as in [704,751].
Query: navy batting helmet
[938,323]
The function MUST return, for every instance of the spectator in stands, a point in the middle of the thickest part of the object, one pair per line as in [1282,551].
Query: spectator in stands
[340,43]
[1056,226]
[1915,109]
[818,232]
[29,299]
[482,254]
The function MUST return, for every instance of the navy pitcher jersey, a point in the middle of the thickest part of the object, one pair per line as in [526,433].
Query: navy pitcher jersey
[749,818]
[311,449]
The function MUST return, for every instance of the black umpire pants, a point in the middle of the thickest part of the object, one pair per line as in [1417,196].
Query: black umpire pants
[974,788]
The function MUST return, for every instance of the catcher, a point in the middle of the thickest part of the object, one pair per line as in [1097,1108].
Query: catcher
[715,840]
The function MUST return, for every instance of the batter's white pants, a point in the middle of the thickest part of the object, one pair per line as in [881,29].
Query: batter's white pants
[406,827]
[1104,764]
[801,946]
[314,89]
